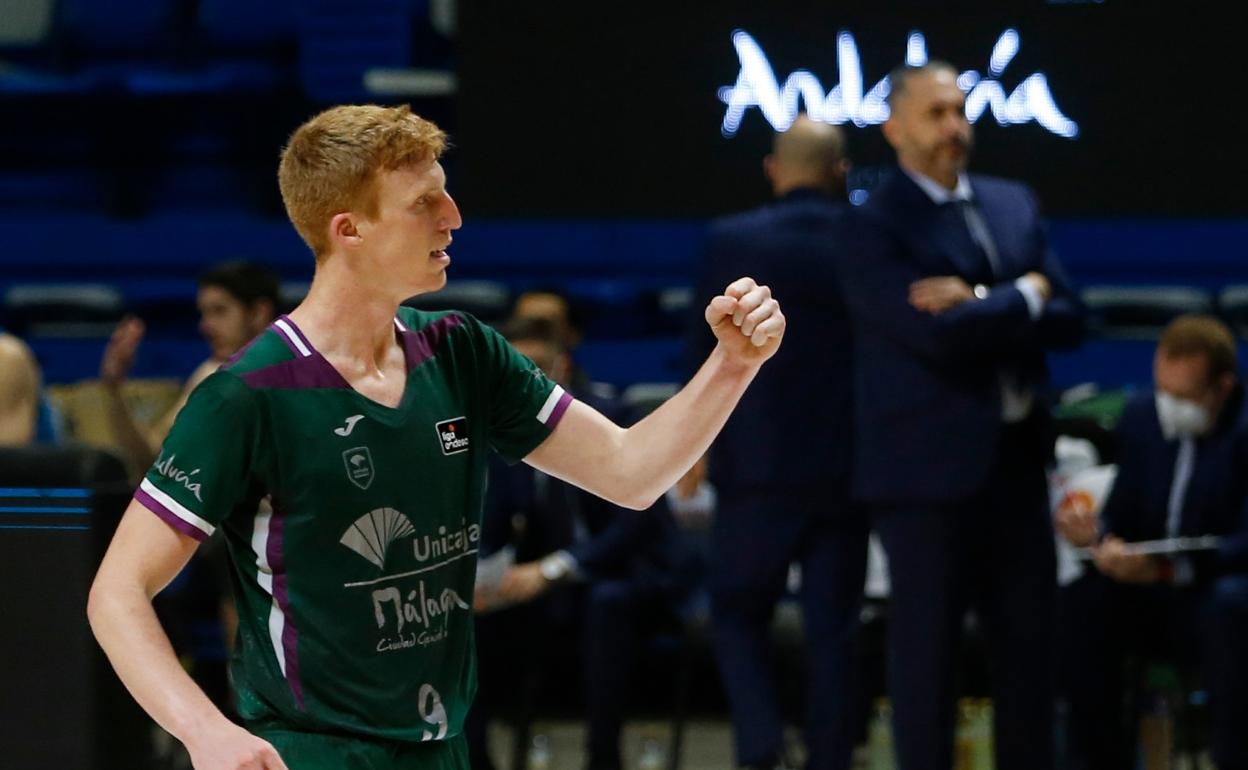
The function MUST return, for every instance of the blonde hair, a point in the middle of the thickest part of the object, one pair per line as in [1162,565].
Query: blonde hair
[331,162]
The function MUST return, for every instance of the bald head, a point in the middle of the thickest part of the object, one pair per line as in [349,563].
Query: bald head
[809,154]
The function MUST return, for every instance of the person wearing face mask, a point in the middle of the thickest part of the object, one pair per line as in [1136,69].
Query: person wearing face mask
[1182,471]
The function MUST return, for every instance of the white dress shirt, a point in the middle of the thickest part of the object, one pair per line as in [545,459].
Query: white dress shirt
[1184,464]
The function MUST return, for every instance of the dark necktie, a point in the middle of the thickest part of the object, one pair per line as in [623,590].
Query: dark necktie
[977,228]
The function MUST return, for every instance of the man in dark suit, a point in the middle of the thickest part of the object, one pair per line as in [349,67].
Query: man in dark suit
[954,297]
[1182,472]
[781,464]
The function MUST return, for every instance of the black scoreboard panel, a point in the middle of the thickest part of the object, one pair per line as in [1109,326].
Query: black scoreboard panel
[665,109]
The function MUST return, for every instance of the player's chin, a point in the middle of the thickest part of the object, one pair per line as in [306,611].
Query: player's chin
[434,281]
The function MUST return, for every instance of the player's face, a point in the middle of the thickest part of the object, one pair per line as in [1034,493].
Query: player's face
[929,128]
[224,321]
[412,230]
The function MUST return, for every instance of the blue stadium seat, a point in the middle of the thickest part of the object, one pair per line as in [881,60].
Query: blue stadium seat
[487,300]
[1140,312]
[1233,306]
[340,40]
[246,27]
[62,309]
[123,29]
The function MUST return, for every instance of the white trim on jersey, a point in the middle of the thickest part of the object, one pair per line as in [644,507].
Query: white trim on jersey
[399,324]
[549,407]
[292,336]
[176,508]
[264,576]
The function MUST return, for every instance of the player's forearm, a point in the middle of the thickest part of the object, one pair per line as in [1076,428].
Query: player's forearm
[126,432]
[657,451]
[126,627]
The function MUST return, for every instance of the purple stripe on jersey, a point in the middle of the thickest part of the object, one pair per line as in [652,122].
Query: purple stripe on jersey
[169,517]
[557,413]
[421,346]
[290,635]
[311,372]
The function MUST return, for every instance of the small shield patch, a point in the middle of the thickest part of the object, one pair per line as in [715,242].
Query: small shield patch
[359,462]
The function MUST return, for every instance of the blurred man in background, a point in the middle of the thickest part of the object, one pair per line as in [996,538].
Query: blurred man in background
[236,301]
[585,569]
[567,320]
[781,465]
[954,298]
[557,309]
[1182,472]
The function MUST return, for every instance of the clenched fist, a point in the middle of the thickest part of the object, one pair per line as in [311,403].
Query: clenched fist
[747,322]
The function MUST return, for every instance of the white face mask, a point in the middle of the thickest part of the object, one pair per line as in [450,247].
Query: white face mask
[1181,418]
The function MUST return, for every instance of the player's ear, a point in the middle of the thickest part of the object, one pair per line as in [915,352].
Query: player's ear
[344,230]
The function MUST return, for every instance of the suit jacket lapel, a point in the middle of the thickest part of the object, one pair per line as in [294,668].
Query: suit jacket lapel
[939,233]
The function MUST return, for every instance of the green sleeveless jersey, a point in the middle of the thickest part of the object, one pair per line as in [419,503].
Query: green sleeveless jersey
[353,527]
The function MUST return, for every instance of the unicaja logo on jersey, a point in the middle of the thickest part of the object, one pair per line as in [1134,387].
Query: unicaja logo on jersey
[453,435]
[359,462]
[371,534]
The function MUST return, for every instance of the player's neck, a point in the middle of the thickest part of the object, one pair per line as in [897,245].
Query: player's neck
[345,320]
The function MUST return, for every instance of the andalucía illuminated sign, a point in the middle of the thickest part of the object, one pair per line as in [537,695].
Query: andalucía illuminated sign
[756,86]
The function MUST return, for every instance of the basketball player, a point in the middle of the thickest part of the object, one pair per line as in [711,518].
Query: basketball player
[364,427]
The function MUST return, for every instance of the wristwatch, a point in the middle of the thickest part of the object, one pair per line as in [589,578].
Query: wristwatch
[556,566]
[980,291]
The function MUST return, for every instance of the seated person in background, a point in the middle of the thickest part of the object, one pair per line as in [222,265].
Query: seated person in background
[602,575]
[19,393]
[1183,471]
[21,389]
[694,498]
[556,308]
[568,325]
[236,301]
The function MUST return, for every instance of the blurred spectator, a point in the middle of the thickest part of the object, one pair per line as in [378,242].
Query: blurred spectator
[781,464]
[236,300]
[19,392]
[582,566]
[694,499]
[567,321]
[556,308]
[1182,471]
[954,298]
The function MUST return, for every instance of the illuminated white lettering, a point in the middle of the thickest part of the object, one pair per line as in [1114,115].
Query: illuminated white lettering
[756,86]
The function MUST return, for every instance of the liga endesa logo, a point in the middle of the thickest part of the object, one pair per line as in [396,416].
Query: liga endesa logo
[453,435]
[851,102]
